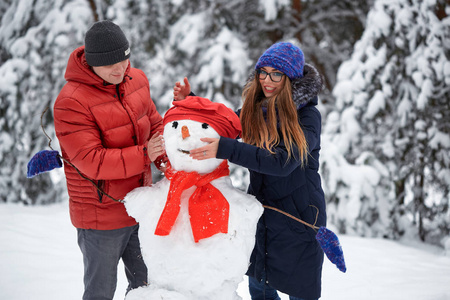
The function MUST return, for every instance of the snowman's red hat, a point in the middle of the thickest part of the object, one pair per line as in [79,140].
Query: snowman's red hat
[223,119]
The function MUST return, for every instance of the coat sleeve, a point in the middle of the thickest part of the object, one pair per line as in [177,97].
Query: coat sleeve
[311,122]
[257,159]
[81,142]
[261,160]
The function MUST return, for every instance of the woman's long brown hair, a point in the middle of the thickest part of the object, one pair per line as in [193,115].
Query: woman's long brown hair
[263,133]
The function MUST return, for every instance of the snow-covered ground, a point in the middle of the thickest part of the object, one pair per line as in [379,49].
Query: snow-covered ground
[40,259]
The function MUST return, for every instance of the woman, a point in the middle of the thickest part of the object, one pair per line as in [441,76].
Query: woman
[281,142]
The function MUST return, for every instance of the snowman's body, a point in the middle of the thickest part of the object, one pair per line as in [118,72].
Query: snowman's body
[178,267]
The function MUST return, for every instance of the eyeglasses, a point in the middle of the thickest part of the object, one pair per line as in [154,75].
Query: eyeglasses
[274,76]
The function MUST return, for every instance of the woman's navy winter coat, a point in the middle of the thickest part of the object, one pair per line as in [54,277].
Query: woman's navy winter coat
[286,253]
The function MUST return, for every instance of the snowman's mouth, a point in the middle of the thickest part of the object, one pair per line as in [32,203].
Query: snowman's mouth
[184,151]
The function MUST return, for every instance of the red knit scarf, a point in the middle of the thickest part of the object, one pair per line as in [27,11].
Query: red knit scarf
[208,208]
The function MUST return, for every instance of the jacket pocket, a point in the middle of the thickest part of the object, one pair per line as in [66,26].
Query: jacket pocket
[101,187]
[300,209]
[317,202]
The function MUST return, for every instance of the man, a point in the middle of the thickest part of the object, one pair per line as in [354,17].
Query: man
[109,130]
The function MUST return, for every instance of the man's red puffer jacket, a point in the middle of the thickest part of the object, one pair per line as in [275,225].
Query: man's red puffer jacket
[103,130]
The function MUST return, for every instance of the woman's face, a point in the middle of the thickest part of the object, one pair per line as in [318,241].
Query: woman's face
[270,88]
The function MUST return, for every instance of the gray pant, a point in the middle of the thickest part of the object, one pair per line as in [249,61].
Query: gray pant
[102,250]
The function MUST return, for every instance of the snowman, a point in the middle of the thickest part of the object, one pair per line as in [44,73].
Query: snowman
[196,230]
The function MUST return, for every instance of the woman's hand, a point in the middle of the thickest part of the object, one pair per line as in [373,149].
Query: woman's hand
[156,147]
[206,152]
[181,91]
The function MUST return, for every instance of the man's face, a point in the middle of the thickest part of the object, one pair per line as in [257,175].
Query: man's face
[113,73]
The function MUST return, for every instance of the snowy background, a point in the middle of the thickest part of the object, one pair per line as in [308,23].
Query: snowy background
[385,159]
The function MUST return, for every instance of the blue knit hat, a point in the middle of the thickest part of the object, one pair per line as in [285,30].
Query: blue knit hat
[284,57]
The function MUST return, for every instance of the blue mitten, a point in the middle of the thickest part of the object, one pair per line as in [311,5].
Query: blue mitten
[43,161]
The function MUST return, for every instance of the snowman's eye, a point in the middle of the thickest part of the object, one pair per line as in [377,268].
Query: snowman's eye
[205,125]
[175,124]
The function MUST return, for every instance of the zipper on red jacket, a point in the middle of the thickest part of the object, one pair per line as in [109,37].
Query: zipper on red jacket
[119,95]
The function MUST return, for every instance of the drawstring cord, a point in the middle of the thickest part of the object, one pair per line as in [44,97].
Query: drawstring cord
[295,218]
[73,166]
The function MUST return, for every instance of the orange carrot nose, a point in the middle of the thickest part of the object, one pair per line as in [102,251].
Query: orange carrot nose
[185,132]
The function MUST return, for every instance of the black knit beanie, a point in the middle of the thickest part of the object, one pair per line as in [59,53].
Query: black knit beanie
[105,44]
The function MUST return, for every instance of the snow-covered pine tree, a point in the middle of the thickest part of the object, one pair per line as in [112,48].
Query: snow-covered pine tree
[35,41]
[385,158]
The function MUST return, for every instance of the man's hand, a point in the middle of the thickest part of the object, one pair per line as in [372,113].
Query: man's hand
[156,146]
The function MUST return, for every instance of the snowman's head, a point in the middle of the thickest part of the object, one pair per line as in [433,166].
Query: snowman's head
[181,137]
[190,120]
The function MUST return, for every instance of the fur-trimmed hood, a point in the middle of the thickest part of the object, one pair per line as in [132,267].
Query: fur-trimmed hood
[305,89]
